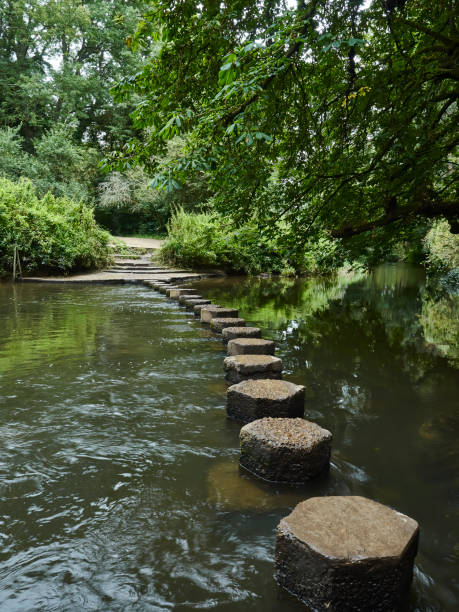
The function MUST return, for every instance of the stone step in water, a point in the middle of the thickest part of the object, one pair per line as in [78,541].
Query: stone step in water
[198,307]
[218,325]
[178,291]
[244,367]
[213,311]
[140,271]
[183,298]
[255,399]
[346,553]
[190,303]
[251,346]
[230,333]
[285,451]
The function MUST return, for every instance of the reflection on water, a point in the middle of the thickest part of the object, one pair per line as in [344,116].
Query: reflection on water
[120,488]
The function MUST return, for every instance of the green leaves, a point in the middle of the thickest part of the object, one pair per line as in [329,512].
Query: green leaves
[305,120]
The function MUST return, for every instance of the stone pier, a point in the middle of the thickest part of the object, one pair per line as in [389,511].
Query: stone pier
[176,292]
[214,312]
[218,325]
[230,333]
[198,307]
[191,303]
[255,399]
[346,554]
[168,289]
[243,367]
[288,451]
[251,346]
[184,296]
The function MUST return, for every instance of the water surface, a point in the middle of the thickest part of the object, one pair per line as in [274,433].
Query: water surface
[119,478]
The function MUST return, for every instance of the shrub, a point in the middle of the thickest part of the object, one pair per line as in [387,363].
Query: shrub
[442,247]
[52,234]
[207,240]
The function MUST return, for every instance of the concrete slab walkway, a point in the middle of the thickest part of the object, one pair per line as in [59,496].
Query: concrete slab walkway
[124,271]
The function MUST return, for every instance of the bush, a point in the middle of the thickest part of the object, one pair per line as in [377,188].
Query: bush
[442,248]
[52,234]
[205,240]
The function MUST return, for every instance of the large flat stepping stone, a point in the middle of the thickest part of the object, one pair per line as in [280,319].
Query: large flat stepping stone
[176,292]
[182,298]
[219,324]
[191,302]
[198,307]
[214,312]
[255,399]
[251,346]
[346,553]
[229,333]
[289,451]
[243,367]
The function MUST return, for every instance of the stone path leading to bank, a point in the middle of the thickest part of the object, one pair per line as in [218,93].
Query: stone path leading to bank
[125,270]
[332,553]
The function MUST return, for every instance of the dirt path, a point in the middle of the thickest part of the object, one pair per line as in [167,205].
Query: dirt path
[144,243]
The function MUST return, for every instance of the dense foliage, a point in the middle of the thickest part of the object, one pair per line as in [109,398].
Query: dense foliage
[205,240]
[350,110]
[53,234]
[58,59]
[58,62]
[127,200]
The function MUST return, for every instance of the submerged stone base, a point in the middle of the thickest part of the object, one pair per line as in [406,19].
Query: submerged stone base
[164,288]
[346,554]
[243,367]
[182,298]
[254,399]
[251,346]
[219,324]
[229,333]
[289,451]
[214,312]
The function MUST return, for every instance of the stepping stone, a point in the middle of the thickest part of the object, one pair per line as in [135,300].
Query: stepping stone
[185,296]
[190,303]
[176,292]
[242,367]
[250,346]
[229,333]
[346,553]
[198,307]
[163,288]
[168,289]
[288,451]
[219,325]
[255,399]
[214,312]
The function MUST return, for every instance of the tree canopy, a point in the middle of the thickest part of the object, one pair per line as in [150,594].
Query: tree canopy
[58,60]
[329,115]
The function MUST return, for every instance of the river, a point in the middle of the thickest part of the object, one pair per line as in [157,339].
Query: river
[119,476]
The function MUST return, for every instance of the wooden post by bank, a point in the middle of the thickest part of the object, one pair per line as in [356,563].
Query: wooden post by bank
[16,262]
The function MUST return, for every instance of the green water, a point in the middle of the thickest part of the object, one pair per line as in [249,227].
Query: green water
[119,479]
